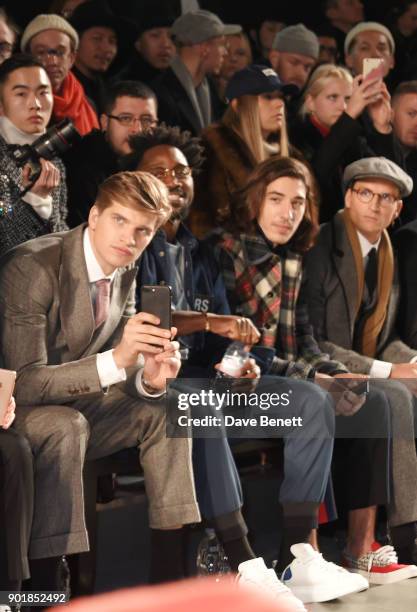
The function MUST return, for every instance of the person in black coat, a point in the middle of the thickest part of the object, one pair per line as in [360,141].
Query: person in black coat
[328,132]
[130,107]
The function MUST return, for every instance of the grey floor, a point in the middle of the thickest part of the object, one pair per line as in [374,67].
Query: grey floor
[399,597]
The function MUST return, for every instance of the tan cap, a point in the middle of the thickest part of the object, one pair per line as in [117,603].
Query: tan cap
[47,22]
[368,26]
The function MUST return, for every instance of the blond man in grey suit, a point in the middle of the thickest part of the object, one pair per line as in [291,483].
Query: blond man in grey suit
[92,373]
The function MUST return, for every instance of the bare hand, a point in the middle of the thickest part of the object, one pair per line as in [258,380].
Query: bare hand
[407,371]
[10,415]
[47,181]
[165,365]
[380,112]
[141,335]
[235,328]
[364,92]
[250,369]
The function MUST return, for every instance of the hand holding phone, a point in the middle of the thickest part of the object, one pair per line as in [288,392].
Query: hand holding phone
[7,383]
[373,68]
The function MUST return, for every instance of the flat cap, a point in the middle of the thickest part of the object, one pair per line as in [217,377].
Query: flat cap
[378,167]
[47,22]
[368,26]
[297,39]
[195,27]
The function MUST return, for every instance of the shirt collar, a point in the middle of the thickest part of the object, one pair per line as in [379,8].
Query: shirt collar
[367,246]
[94,271]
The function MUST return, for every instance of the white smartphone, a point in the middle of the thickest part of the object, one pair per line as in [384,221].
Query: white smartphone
[7,382]
[372,68]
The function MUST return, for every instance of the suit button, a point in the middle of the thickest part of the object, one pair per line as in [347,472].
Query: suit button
[270,294]
[161,253]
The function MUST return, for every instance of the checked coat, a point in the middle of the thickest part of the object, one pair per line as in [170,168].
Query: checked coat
[264,286]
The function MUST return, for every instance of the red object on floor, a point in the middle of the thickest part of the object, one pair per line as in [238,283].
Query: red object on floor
[194,595]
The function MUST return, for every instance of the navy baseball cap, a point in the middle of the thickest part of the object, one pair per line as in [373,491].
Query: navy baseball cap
[255,80]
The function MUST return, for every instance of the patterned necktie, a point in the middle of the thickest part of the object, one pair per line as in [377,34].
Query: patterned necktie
[102,301]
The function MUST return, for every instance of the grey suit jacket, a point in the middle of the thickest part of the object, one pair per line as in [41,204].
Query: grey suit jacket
[331,294]
[47,320]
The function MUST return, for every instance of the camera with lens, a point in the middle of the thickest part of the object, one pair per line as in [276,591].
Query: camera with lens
[55,141]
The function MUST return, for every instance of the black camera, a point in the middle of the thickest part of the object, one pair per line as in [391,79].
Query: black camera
[56,140]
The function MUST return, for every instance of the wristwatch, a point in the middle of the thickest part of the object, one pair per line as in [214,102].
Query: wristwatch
[149,389]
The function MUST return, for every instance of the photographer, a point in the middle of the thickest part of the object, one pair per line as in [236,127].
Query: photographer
[27,210]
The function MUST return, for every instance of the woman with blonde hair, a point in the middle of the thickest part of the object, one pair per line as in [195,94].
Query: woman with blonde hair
[252,129]
[329,132]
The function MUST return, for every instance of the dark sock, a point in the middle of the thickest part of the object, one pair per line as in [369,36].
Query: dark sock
[10,585]
[237,551]
[45,574]
[166,555]
[291,535]
[231,531]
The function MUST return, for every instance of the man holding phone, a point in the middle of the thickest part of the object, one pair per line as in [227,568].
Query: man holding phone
[91,372]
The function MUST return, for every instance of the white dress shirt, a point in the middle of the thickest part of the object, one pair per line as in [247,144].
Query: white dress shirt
[379,369]
[108,372]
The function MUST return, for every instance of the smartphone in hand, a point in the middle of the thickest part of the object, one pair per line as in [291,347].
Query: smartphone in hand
[373,68]
[156,300]
[7,382]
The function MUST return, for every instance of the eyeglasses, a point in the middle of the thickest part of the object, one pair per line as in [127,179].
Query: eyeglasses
[179,172]
[45,53]
[366,196]
[146,121]
[6,49]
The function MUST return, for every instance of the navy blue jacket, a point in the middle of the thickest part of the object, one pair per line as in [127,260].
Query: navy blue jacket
[203,284]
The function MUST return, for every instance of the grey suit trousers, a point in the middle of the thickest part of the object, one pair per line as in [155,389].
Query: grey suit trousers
[62,436]
[403,506]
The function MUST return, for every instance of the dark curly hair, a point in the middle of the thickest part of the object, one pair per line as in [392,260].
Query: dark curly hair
[163,134]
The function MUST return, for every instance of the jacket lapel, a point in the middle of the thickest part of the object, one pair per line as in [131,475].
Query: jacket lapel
[76,311]
[344,265]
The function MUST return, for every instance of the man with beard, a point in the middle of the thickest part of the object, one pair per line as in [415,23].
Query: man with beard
[129,108]
[175,257]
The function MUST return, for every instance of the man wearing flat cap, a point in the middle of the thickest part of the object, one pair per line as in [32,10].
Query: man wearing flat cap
[184,95]
[353,296]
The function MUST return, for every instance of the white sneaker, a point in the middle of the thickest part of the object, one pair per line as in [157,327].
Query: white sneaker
[313,579]
[255,574]
[5,609]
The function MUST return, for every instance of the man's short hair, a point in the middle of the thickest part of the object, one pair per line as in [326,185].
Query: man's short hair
[20,60]
[132,89]
[137,190]
[167,135]
[406,87]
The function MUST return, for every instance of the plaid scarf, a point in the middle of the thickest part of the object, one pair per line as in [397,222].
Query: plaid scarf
[267,287]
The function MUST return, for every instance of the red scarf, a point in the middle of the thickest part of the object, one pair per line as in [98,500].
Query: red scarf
[323,129]
[73,103]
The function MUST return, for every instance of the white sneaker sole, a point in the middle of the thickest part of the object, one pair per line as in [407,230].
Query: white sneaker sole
[326,592]
[389,578]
